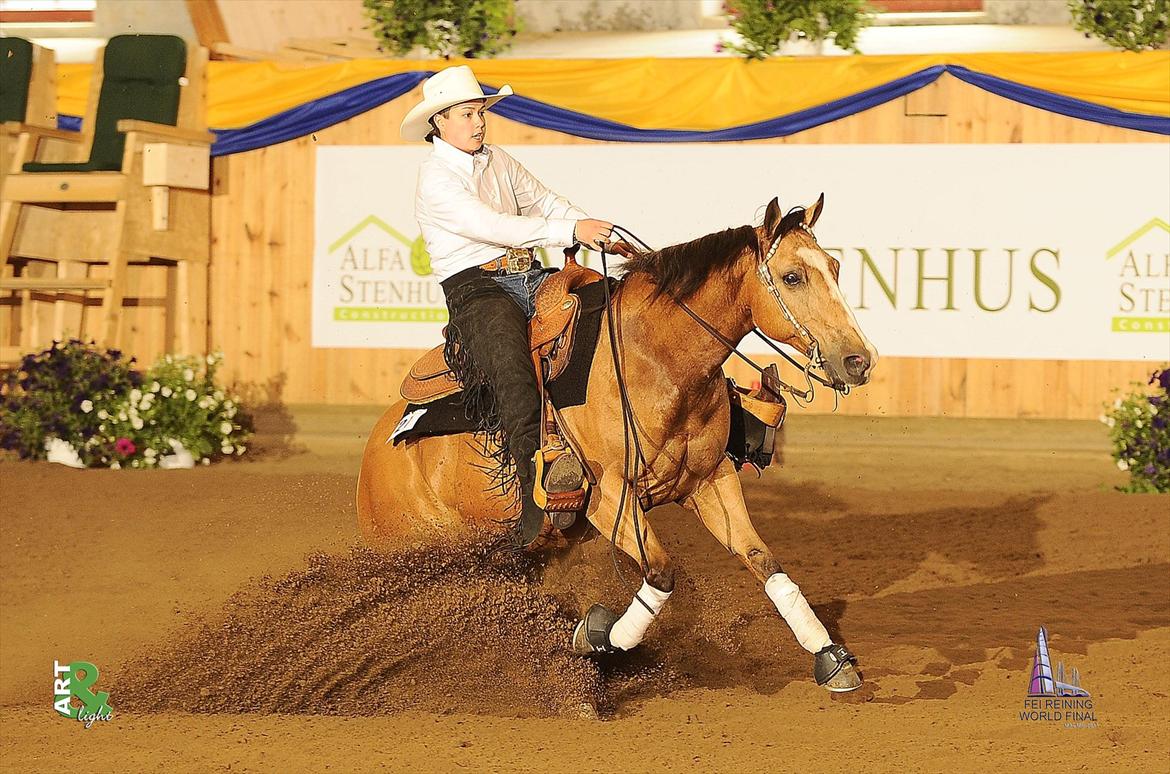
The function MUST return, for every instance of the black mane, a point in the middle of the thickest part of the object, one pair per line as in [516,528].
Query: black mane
[680,270]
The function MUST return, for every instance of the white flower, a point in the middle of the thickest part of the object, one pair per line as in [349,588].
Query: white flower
[136,423]
[1121,465]
[87,406]
[150,453]
[206,460]
[170,359]
[1111,422]
[115,465]
[225,428]
[228,404]
[226,449]
[101,428]
[188,374]
[155,386]
[134,464]
[103,415]
[135,396]
[1103,419]
[1138,424]
[218,395]
[1117,403]
[191,395]
[122,416]
[166,392]
[210,360]
[240,450]
[231,412]
[205,403]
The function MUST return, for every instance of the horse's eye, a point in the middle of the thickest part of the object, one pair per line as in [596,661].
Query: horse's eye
[791,279]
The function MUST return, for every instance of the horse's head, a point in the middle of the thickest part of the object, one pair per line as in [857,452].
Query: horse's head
[794,296]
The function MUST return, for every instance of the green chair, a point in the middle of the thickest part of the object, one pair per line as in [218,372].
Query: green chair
[140,197]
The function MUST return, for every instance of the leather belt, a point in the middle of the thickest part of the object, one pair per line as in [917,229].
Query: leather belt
[514,261]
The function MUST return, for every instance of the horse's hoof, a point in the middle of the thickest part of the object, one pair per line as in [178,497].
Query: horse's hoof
[591,635]
[833,669]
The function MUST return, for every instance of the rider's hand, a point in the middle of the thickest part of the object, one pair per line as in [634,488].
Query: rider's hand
[593,233]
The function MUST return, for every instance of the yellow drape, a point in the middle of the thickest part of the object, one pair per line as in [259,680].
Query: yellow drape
[695,94]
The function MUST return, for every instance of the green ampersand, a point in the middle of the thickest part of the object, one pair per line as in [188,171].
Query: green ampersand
[93,703]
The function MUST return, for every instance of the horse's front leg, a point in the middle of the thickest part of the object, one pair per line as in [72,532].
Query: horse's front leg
[601,630]
[719,503]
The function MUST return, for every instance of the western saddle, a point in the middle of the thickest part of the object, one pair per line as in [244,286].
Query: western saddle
[562,483]
[550,334]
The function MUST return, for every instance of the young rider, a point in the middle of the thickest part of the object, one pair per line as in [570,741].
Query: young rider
[481,214]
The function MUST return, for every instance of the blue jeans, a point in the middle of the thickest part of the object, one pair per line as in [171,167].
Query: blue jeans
[522,288]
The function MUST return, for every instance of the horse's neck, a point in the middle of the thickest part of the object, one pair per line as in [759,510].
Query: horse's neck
[684,352]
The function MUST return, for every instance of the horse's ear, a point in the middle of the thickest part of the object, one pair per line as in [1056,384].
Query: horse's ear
[772,217]
[814,212]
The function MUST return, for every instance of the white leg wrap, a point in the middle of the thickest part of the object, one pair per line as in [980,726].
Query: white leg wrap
[631,627]
[794,608]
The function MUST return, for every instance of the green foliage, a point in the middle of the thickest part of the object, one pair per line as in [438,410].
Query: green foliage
[1139,426]
[1134,25]
[114,416]
[766,25]
[449,28]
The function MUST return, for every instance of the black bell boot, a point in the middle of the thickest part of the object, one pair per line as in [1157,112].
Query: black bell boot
[531,514]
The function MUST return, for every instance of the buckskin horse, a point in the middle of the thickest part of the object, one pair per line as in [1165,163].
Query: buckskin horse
[773,277]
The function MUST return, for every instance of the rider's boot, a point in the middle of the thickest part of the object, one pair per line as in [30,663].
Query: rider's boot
[531,515]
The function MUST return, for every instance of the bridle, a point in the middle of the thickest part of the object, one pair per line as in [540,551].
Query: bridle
[769,377]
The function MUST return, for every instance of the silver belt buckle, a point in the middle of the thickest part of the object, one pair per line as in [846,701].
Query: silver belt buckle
[517,260]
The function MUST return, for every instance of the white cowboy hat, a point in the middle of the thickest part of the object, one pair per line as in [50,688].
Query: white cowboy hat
[442,90]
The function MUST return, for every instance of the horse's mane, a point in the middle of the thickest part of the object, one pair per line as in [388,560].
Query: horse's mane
[680,270]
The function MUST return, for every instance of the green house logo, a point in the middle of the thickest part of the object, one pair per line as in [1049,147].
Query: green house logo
[382,275]
[1141,264]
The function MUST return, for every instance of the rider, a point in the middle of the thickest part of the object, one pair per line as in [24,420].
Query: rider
[481,214]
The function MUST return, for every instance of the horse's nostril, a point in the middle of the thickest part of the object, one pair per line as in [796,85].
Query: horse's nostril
[856,365]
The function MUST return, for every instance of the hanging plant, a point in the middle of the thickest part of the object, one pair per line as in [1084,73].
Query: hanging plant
[764,26]
[449,28]
[1134,25]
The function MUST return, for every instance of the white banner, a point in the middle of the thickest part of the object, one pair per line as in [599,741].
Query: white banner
[985,251]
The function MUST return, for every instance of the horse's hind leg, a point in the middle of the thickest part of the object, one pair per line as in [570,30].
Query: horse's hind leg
[601,630]
[719,503]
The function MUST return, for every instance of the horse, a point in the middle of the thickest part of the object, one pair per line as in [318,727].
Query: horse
[774,278]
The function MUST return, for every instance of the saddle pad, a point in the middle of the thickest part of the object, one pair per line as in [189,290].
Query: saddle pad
[446,416]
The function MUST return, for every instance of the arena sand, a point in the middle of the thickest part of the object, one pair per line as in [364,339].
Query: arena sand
[239,625]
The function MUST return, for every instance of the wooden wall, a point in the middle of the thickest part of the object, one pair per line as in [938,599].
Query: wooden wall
[261,270]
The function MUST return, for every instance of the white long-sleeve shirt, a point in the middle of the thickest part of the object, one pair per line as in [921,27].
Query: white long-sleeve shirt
[472,207]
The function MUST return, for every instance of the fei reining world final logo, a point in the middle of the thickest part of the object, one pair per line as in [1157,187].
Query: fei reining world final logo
[1056,697]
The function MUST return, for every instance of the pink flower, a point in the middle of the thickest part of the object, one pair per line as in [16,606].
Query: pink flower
[125,447]
[719,47]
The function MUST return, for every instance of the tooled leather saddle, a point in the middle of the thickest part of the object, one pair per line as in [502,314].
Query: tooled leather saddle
[551,334]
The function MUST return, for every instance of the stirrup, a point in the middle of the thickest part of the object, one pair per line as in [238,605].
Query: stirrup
[560,485]
[591,635]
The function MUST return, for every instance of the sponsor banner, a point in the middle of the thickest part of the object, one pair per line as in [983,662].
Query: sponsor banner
[982,251]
